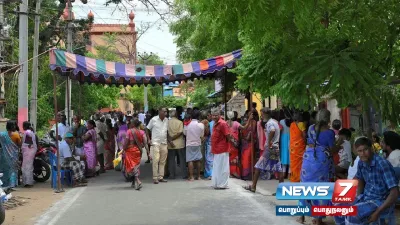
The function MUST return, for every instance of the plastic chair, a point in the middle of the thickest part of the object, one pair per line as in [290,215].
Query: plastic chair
[63,173]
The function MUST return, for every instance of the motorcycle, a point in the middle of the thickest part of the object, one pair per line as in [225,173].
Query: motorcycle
[41,163]
[4,196]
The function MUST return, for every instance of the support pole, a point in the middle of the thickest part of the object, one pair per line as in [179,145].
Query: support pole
[23,61]
[251,134]
[35,68]
[146,104]
[145,101]
[68,100]
[80,106]
[225,106]
[2,89]
[69,49]
[58,190]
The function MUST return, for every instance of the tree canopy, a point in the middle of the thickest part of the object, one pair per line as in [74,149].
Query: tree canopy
[301,51]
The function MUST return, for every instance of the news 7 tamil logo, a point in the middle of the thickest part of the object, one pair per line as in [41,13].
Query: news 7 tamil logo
[342,191]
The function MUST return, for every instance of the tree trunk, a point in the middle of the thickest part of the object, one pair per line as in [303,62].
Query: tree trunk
[367,119]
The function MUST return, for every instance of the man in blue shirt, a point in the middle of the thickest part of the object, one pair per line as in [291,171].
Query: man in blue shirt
[377,186]
[68,162]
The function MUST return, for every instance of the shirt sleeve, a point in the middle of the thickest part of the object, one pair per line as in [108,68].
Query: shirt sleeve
[225,129]
[301,126]
[150,125]
[389,177]
[331,138]
[66,151]
[359,175]
[201,125]
[180,127]
[271,127]
[185,130]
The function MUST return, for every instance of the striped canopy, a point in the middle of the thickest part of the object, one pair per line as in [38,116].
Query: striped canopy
[89,70]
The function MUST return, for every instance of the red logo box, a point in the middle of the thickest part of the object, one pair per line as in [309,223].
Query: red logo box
[345,191]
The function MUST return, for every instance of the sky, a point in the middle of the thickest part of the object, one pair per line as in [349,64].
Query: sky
[157,39]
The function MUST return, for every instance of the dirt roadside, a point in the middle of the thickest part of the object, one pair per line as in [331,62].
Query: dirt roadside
[29,203]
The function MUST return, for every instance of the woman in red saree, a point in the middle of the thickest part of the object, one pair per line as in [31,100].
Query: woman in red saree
[240,162]
[133,148]
[250,129]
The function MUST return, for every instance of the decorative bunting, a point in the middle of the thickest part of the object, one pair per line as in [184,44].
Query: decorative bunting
[137,74]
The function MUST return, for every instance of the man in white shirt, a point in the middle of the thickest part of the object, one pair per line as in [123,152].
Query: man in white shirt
[194,133]
[391,146]
[68,162]
[345,156]
[142,117]
[62,127]
[158,126]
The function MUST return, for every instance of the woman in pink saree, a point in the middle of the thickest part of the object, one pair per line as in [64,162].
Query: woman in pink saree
[234,163]
[29,148]
[90,149]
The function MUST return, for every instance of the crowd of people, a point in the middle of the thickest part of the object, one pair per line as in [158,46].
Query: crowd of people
[207,144]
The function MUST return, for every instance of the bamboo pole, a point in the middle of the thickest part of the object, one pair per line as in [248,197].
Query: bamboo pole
[58,190]
[69,100]
[251,133]
[225,106]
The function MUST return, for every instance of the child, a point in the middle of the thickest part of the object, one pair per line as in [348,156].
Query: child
[377,147]
[345,156]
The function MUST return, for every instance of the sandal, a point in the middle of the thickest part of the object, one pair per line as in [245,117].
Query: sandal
[138,187]
[249,188]
[80,185]
[315,221]
[133,184]
[301,220]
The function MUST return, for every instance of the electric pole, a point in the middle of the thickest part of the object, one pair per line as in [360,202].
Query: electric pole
[144,59]
[23,62]
[35,68]
[2,63]
[69,49]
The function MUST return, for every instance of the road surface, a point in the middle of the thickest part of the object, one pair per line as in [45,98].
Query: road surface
[109,200]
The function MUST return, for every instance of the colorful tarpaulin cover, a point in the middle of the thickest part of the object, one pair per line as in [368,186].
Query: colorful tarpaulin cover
[85,69]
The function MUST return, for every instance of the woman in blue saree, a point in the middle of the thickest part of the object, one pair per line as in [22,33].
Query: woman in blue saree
[317,159]
[9,154]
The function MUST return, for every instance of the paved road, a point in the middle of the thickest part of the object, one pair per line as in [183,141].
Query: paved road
[109,200]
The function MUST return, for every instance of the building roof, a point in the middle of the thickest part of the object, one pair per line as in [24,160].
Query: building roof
[111,28]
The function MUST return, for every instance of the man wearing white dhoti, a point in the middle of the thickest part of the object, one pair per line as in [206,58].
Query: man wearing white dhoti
[220,148]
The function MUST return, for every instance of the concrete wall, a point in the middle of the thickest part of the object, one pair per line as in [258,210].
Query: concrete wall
[331,105]
[125,105]
[274,102]
[168,92]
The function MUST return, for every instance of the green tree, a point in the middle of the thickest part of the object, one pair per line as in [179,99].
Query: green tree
[303,51]
[154,93]
[202,88]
